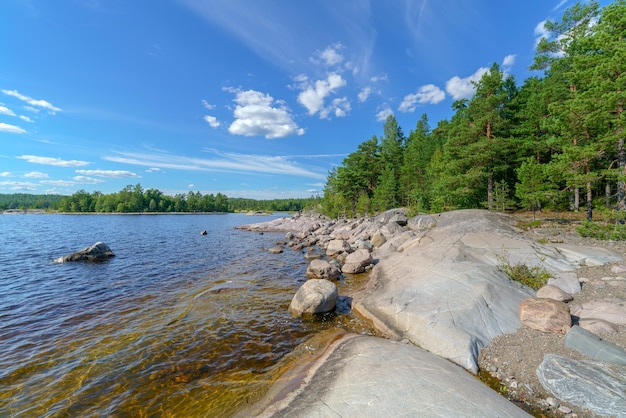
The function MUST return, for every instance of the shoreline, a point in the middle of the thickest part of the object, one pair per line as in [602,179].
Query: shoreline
[537,401]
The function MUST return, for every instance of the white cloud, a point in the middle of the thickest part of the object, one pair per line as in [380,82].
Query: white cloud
[339,107]
[191,186]
[33,102]
[5,127]
[5,174]
[383,113]
[87,180]
[36,175]
[60,183]
[207,105]
[364,94]
[153,170]
[212,121]
[509,60]
[19,185]
[541,31]
[463,88]
[118,174]
[223,162]
[331,56]
[52,161]
[6,111]
[25,118]
[428,94]
[257,113]
[314,94]
[378,78]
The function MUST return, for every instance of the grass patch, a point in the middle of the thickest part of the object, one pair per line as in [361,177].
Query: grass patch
[603,231]
[534,277]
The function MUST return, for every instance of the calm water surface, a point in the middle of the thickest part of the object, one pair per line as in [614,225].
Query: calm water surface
[177,324]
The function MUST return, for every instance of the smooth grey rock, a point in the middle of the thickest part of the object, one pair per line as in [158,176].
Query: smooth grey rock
[598,326]
[337,246]
[322,269]
[608,311]
[445,291]
[594,385]
[363,376]
[553,292]
[357,261]
[566,281]
[421,222]
[96,252]
[378,239]
[593,346]
[314,296]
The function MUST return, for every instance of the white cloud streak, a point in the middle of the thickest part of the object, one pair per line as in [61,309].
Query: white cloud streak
[118,174]
[6,111]
[5,127]
[223,162]
[34,159]
[36,175]
[33,102]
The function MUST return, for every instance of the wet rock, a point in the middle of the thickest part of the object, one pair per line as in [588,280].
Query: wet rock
[276,250]
[322,269]
[553,292]
[546,315]
[97,252]
[314,296]
[594,385]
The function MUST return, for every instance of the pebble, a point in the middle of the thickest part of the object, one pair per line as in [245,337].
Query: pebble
[564,410]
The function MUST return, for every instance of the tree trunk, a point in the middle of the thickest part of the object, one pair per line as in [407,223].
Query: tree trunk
[576,199]
[607,194]
[490,191]
[621,164]
[589,198]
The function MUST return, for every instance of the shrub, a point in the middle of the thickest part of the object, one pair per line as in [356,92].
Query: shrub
[614,232]
[534,277]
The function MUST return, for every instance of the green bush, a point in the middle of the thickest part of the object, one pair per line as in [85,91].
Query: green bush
[534,277]
[614,231]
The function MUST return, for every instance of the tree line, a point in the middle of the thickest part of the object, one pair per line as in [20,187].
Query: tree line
[555,142]
[134,199]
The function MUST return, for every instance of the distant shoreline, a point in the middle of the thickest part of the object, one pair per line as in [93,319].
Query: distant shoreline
[43,212]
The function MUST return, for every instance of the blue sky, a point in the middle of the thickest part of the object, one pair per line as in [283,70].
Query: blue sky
[254,99]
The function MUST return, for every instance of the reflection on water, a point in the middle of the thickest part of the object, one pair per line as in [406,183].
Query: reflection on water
[177,324]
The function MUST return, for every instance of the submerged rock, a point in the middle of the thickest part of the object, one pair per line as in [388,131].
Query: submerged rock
[97,252]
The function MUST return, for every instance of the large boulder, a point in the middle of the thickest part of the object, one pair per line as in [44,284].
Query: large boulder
[443,288]
[614,313]
[364,376]
[97,252]
[322,269]
[336,247]
[594,385]
[550,291]
[545,315]
[314,296]
[357,261]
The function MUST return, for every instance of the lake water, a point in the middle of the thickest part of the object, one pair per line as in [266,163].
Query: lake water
[177,324]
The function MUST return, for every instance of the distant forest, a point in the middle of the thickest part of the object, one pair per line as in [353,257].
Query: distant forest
[134,199]
[555,142]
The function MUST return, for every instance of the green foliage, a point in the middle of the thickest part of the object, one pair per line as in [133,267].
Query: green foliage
[534,277]
[553,142]
[29,201]
[606,231]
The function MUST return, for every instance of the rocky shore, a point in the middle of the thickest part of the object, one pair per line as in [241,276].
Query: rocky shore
[438,292]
